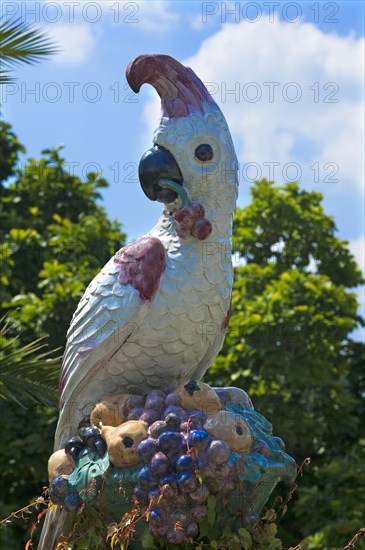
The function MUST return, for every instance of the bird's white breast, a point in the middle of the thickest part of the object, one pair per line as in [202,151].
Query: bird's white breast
[182,331]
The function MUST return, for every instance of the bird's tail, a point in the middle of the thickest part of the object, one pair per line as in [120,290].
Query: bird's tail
[52,528]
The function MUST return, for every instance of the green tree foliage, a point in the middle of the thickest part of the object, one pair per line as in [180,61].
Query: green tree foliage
[54,237]
[289,345]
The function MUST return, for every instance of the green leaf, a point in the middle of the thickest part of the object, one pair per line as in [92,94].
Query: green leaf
[211,510]
[246,538]
[147,540]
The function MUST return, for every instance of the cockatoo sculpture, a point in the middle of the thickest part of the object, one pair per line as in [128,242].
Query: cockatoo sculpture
[157,312]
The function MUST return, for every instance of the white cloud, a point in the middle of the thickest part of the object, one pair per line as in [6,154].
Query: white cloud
[357,247]
[321,132]
[155,16]
[324,71]
[76,41]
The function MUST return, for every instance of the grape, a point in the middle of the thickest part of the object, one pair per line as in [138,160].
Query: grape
[181,500]
[155,402]
[183,233]
[73,448]
[191,530]
[84,424]
[158,532]
[179,411]
[175,536]
[185,464]
[202,229]
[147,448]
[149,416]
[72,502]
[178,516]
[199,439]
[99,445]
[200,495]
[159,465]
[194,424]
[133,402]
[153,494]
[169,479]
[140,496]
[224,471]
[173,422]
[157,393]
[187,482]
[167,484]
[89,434]
[168,491]
[135,413]
[198,512]
[157,517]
[218,452]
[59,489]
[198,415]
[185,217]
[170,441]
[173,399]
[145,479]
[157,428]
[226,487]
[198,210]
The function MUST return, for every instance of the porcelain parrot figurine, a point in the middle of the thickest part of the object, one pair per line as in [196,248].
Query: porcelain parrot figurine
[157,313]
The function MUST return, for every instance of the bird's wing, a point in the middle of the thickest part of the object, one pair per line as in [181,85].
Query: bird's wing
[112,308]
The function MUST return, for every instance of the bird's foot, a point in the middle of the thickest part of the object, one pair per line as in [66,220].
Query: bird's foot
[191,221]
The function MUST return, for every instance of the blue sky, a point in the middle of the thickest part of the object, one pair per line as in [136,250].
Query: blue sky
[288,76]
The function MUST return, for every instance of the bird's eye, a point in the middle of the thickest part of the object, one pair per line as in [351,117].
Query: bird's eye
[128,442]
[204,152]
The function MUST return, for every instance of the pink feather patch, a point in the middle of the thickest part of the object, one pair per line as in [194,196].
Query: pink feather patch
[141,265]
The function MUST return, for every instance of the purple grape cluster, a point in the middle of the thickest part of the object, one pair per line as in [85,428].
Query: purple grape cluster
[182,466]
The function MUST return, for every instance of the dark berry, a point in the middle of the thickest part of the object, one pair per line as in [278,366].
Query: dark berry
[187,482]
[140,496]
[218,452]
[155,402]
[157,428]
[199,439]
[173,399]
[191,530]
[170,441]
[173,422]
[73,447]
[147,448]
[72,502]
[149,416]
[159,465]
[202,229]
[145,479]
[185,464]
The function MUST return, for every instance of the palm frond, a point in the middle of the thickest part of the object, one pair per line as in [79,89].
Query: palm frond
[20,43]
[28,374]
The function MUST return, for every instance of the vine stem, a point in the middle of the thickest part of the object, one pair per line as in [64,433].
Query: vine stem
[19,514]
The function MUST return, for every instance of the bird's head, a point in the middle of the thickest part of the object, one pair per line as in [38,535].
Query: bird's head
[192,143]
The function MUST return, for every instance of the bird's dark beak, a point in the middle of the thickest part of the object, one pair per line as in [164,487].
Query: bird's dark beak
[156,164]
